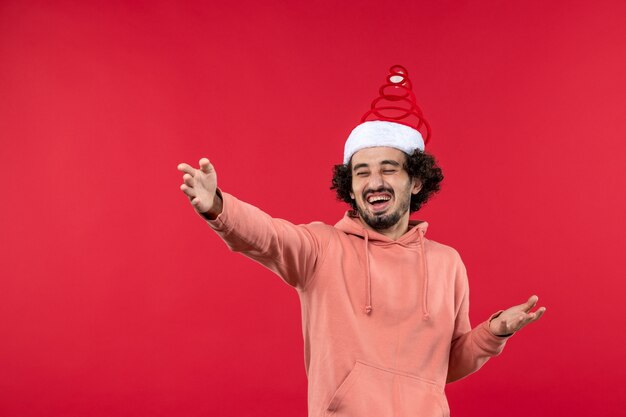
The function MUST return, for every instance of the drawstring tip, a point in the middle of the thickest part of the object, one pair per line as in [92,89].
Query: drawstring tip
[368,309]
[426,317]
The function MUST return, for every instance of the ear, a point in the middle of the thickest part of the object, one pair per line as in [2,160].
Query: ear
[351,195]
[417,186]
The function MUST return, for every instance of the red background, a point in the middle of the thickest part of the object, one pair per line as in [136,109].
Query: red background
[116,299]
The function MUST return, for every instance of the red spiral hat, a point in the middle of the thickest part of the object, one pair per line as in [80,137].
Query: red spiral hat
[394,118]
[396,103]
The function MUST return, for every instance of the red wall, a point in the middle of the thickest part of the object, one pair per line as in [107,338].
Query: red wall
[116,299]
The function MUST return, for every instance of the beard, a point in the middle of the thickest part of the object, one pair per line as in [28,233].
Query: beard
[385,220]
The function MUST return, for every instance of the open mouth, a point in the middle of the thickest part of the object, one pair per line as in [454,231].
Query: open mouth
[379,201]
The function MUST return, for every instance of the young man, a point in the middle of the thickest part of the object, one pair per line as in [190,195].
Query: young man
[384,310]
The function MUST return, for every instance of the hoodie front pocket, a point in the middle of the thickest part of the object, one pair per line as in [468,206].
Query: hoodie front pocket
[371,391]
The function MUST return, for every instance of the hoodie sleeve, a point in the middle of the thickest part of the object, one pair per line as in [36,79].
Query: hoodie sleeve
[470,348]
[289,250]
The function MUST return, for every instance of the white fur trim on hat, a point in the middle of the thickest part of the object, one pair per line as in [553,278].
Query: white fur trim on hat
[382,133]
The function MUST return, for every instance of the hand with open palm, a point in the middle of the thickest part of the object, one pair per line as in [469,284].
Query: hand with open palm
[200,186]
[514,318]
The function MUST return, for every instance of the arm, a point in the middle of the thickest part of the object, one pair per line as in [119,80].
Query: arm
[471,348]
[288,250]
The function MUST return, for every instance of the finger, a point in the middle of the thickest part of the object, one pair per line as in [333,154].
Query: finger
[532,317]
[539,313]
[532,301]
[196,202]
[188,190]
[205,165]
[186,168]
[188,179]
[523,321]
[517,323]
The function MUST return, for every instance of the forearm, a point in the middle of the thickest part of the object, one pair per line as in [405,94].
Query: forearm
[470,351]
[287,249]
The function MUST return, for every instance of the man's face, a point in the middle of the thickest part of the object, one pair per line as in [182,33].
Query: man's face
[381,187]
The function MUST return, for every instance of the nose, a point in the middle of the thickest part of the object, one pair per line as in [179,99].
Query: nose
[376,180]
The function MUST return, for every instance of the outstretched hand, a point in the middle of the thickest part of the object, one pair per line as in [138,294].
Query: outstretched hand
[514,318]
[200,186]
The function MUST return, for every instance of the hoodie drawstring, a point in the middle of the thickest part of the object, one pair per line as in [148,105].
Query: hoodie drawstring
[426,314]
[368,284]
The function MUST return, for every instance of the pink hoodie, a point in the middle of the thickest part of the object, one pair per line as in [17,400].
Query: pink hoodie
[385,322]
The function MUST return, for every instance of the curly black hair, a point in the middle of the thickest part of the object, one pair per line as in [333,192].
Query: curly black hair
[419,165]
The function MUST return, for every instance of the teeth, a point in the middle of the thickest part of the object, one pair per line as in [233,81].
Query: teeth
[378,198]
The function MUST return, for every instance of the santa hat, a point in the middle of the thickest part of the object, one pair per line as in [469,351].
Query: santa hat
[394,119]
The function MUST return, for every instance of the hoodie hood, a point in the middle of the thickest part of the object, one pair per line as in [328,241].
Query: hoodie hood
[352,224]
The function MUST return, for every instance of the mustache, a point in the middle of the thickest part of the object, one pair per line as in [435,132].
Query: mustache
[378,190]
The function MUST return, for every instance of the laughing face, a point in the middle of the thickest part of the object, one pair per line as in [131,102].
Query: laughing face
[382,188]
